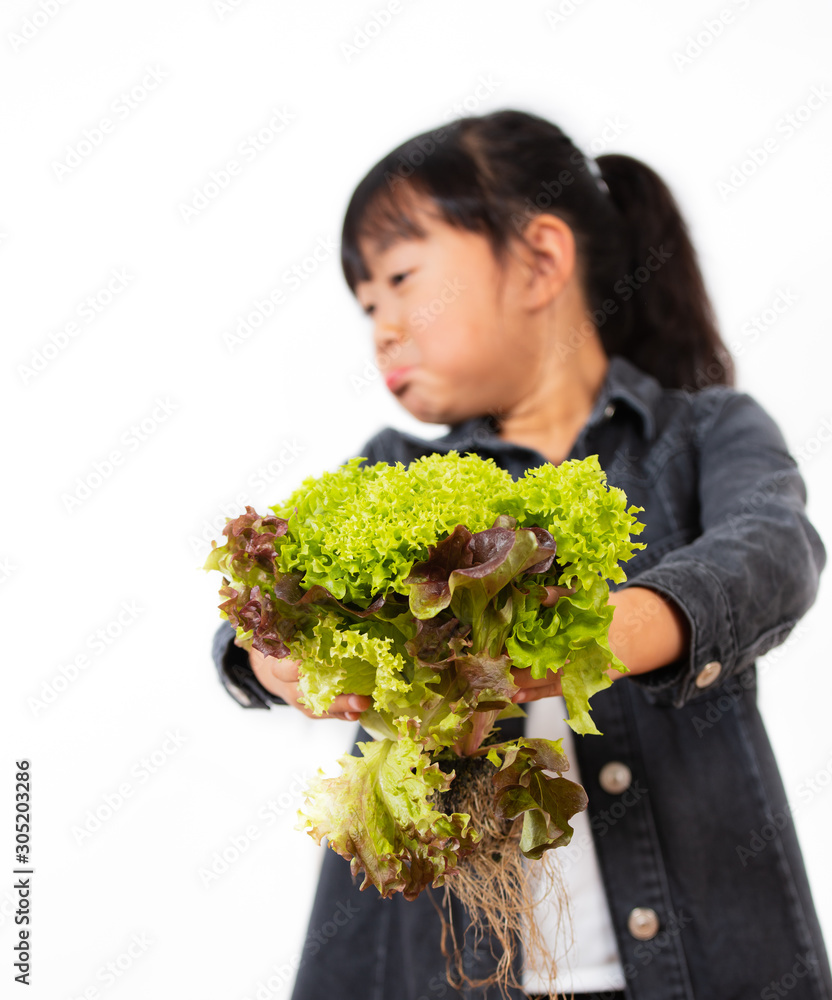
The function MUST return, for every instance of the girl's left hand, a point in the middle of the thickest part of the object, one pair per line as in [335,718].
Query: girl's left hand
[648,630]
[530,689]
[548,686]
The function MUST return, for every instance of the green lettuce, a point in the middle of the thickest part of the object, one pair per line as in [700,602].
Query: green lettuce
[545,802]
[422,587]
[377,814]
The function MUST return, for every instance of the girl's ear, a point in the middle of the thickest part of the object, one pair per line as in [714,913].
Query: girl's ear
[546,256]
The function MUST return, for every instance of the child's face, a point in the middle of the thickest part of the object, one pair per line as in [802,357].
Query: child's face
[450,343]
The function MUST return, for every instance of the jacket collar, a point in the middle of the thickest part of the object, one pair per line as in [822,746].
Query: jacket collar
[624,383]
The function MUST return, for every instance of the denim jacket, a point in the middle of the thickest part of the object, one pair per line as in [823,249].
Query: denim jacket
[694,837]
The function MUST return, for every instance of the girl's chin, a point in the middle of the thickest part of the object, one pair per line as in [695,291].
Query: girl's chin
[428,409]
[422,409]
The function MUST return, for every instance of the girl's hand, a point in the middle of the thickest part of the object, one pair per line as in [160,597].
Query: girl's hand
[532,690]
[648,630]
[548,686]
[280,676]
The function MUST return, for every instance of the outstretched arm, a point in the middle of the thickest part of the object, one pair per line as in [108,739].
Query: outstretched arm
[708,609]
[647,631]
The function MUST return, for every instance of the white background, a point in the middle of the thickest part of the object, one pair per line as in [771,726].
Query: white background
[141,535]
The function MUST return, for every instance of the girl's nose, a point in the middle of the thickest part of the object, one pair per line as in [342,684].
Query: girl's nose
[388,338]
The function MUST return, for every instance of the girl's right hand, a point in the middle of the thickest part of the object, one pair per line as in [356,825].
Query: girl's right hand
[280,676]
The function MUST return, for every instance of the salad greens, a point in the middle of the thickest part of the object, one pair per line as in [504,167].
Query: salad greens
[421,587]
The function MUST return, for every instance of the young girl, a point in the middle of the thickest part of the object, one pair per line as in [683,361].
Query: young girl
[548,310]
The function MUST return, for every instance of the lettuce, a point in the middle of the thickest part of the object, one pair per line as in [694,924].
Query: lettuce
[377,814]
[422,587]
[546,803]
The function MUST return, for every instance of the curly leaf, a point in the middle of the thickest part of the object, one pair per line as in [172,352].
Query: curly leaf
[376,813]
[545,801]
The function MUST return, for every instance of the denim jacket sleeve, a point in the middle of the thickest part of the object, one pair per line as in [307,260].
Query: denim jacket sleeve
[751,574]
[235,672]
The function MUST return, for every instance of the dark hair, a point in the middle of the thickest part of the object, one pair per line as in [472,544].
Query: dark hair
[492,173]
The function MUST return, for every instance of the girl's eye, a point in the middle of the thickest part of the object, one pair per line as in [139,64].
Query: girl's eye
[394,281]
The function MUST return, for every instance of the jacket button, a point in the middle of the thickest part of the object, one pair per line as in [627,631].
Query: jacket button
[643,923]
[708,674]
[609,409]
[615,777]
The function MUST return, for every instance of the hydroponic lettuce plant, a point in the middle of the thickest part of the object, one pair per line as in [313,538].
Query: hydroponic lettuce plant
[422,587]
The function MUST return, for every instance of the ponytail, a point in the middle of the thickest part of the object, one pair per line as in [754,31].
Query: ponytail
[492,174]
[669,329]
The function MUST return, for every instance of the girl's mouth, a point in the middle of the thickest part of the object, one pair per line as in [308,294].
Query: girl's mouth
[396,379]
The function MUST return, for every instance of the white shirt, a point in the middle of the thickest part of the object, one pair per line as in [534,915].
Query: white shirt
[584,946]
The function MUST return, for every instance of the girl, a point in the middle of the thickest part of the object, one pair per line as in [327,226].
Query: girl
[548,310]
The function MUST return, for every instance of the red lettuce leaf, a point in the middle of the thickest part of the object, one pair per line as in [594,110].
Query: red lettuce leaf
[438,641]
[545,801]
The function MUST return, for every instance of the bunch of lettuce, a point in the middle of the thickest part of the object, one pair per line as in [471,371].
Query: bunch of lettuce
[421,587]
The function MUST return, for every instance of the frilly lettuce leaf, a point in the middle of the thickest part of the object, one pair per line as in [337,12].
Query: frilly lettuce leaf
[376,813]
[422,588]
[432,706]
[589,520]
[459,544]
[546,802]
[574,630]
[357,531]
[465,571]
